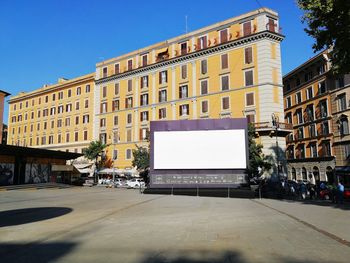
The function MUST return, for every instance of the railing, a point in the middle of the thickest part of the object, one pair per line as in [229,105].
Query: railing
[268,125]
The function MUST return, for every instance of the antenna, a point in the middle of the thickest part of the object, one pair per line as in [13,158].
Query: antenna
[186,29]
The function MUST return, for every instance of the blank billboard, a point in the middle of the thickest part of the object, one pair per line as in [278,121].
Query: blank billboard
[209,149]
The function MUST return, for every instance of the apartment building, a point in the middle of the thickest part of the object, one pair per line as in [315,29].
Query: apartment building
[231,69]
[54,117]
[317,107]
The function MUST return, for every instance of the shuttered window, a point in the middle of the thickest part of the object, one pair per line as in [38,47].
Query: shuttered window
[248,77]
[130,85]
[248,55]
[184,71]
[204,67]
[247,28]
[250,118]
[224,61]
[223,36]
[130,64]
[205,106]
[116,69]
[225,103]
[204,87]
[249,99]
[225,83]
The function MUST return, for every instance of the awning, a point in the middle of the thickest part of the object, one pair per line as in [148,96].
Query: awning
[109,171]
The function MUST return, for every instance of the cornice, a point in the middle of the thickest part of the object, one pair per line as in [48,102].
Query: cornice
[211,50]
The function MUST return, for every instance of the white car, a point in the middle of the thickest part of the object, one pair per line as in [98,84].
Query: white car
[135,183]
[119,182]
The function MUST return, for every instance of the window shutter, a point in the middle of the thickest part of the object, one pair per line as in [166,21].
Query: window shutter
[140,135]
[180,110]
[223,36]
[248,55]
[224,61]
[247,28]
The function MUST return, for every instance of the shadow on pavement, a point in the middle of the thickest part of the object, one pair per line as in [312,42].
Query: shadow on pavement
[324,203]
[211,257]
[34,253]
[29,215]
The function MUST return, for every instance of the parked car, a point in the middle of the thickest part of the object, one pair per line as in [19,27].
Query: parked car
[135,183]
[119,182]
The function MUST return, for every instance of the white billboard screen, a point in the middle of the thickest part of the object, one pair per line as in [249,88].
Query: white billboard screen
[210,149]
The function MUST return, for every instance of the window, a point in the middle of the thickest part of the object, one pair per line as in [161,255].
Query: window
[78,90]
[183,47]
[69,93]
[87,88]
[104,92]
[76,120]
[144,116]
[115,105]
[347,151]
[116,68]
[67,137]
[144,99]
[204,106]
[59,123]
[53,99]
[115,154]
[298,82]
[323,109]
[103,107]
[144,132]
[321,69]
[144,60]
[250,118]
[59,138]
[129,118]
[272,25]
[248,55]
[308,76]
[344,126]
[115,120]
[204,67]
[310,112]
[248,76]
[130,64]
[86,102]
[309,93]
[299,116]
[60,109]
[128,135]
[326,149]
[322,87]
[312,130]
[313,150]
[43,140]
[46,100]
[144,82]
[162,96]
[184,110]
[116,89]
[204,87]
[249,99]
[225,82]
[85,118]
[342,102]
[325,128]
[183,92]
[163,77]
[76,136]
[104,72]
[103,138]
[224,35]
[225,103]
[102,122]
[45,125]
[184,71]
[128,103]
[45,113]
[298,98]
[128,154]
[290,155]
[67,122]
[162,113]
[202,42]
[224,61]
[60,95]
[339,82]
[288,102]
[37,127]
[77,105]
[247,28]
[130,85]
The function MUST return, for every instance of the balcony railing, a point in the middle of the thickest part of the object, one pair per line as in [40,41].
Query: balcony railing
[268,125]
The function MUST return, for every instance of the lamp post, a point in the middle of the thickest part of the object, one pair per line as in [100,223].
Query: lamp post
[275,124]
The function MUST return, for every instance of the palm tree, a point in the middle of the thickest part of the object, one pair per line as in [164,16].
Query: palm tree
[93,152]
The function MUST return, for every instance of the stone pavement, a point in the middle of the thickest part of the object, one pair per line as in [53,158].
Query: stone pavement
[121,225]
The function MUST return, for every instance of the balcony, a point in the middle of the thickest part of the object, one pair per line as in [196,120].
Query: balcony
[283,129]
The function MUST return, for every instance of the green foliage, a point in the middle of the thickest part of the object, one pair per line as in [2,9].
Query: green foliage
[256,157]
[94,150]
[329,23]
[141,157]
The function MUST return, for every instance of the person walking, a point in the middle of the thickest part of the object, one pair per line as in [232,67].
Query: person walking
[303,191]
[340,193]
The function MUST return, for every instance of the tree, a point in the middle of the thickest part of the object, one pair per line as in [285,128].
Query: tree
[141,161]
[329,23]
[93,152]
[257,159]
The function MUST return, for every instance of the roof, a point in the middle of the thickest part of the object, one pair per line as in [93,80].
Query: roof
[11,150]
[4,92]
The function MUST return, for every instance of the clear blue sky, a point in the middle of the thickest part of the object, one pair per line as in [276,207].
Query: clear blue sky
[42,40]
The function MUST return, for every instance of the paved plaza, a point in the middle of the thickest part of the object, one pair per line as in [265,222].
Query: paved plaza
[122,225]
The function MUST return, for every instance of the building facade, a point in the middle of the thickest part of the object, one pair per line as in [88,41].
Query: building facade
[231,69]
[315,104]
[3,128]
[55,117]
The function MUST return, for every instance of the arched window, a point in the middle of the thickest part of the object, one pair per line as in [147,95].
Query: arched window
[304,174]
[316,173]
[330,175]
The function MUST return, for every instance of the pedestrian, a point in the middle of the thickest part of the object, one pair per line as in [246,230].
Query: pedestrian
[312,192]
[303,191]
[340,193]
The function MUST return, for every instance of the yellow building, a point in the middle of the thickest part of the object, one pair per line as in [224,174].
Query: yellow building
[55,117]
[229,69]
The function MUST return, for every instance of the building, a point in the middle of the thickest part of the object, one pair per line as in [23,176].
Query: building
[3,94]
[340,98]
[317,107]
[231,69]
[54,117]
